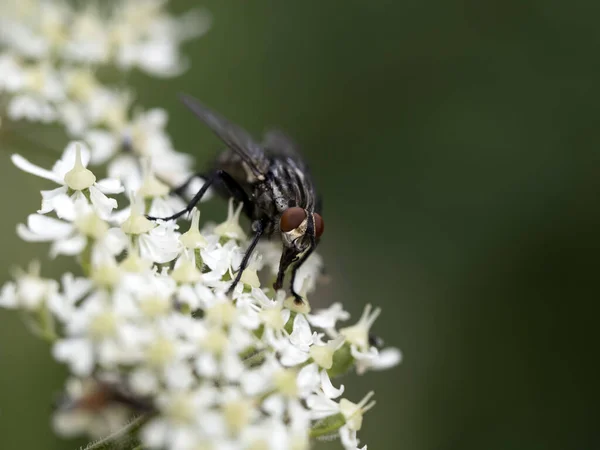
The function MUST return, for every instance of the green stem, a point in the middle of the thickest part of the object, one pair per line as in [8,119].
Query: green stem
[129,428]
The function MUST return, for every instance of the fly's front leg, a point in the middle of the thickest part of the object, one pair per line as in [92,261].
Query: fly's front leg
[234,188]
[259,229]
[180,190]
[209,181]
[302,260]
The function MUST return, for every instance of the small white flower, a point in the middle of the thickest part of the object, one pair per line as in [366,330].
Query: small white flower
[181,414]
[161,244]
[322,353]
[358,334]
[327,318]
[373,359]
[88,41]
[192,238]
[97,332]
[31,108]
[29,290]
[70,172]
[63,304]
[13,73]
[231,228]
[70,236]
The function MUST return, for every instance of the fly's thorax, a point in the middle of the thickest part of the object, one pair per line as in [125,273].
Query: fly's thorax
[250,176]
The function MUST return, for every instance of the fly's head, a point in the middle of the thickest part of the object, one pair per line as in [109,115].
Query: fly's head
[300,231]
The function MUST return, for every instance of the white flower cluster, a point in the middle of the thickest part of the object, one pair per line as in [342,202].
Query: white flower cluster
[148,329]
[50,53]
[156,348]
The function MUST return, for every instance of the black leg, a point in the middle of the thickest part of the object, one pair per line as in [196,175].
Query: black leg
[180,190]
[297,297]
[236,191]
[259,229]
[193,202]
[234,188]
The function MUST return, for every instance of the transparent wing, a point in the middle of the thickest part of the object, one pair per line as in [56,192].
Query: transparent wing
[235,137]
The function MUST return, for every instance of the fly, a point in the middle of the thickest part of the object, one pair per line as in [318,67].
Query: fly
[272,182]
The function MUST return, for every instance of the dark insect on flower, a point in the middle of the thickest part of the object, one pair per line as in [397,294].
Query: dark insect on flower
[97,395]
[272,182]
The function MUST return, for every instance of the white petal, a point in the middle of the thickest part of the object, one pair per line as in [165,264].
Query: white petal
[233,367]
[364,359]
[321,406]
[154,434]
[160,57]
[28,167]
[127,169]
[388,357]
[110,353]
[301,337]
[326,318]
[179,376]
[72,116]
[206,365]
[8,295]
[143,382]
[103,145]
[42,228]
[60,306]
[110,186]
[160,245]
[308,379]
[274,405]
[65,207]
[292,356]
[51,197]
[115,241]
[77,353]
[348,438]
[31,108]
[48,226]
[328,388]
[157,117]
[25,233]
[75,288]
[285,315]
[102,203]
[120,216]
[72,246]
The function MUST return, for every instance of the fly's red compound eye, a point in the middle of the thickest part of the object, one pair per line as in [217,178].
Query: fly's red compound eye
[292,218]
[319,225]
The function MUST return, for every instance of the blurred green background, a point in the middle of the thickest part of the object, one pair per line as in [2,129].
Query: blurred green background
[457,150]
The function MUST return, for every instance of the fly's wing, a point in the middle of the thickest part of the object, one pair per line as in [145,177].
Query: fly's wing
[279,144]
[235,137]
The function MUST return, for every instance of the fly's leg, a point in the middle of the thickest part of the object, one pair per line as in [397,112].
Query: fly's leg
[303,258]
[236,192]
[180,190]
[259,229]
[234,188]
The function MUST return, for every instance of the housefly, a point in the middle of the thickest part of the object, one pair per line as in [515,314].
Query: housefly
[272,182]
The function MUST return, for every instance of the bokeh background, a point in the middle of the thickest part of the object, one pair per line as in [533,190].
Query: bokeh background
[457,150]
